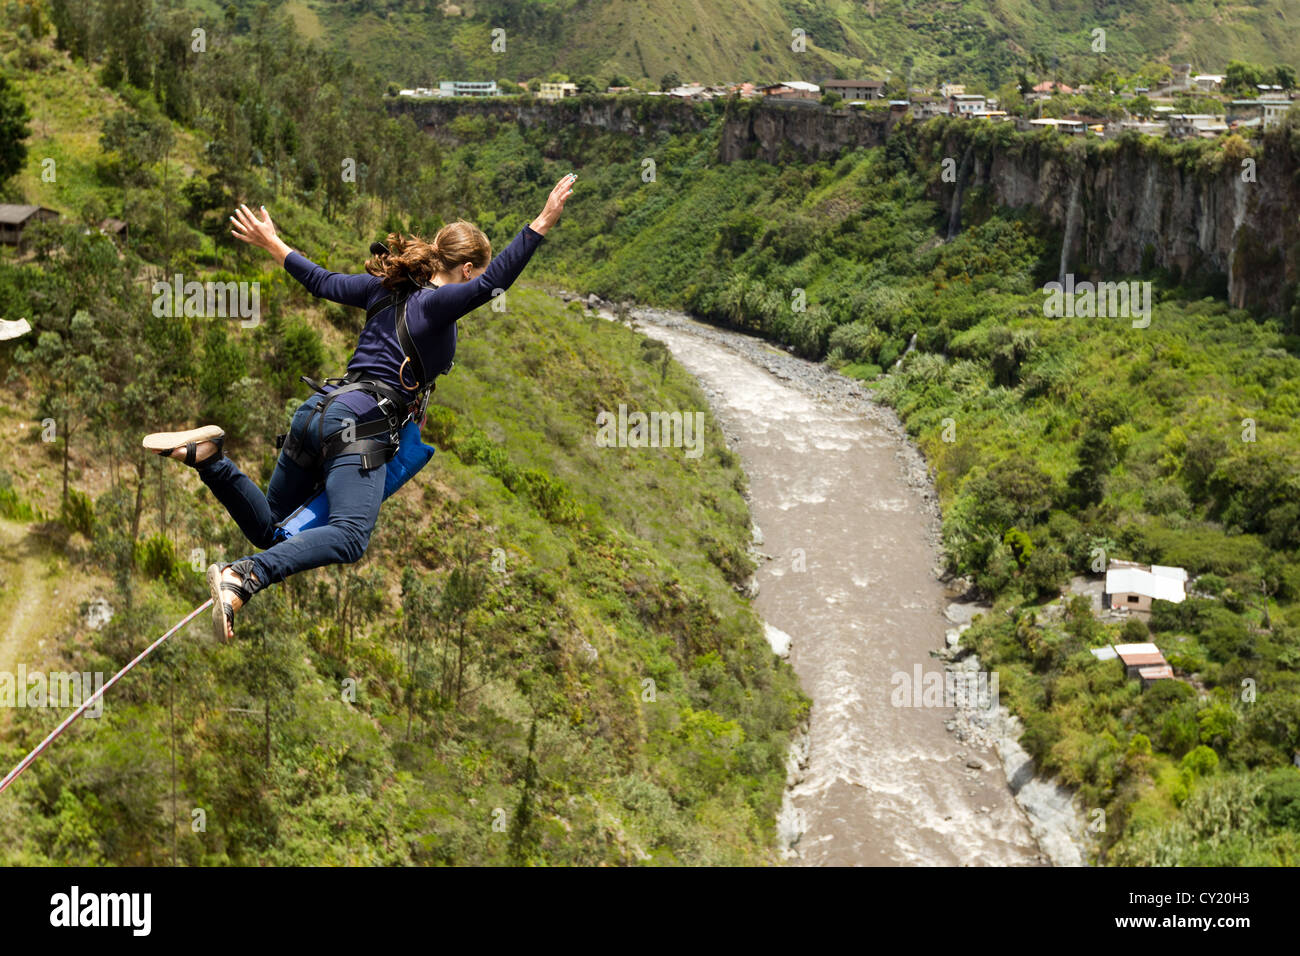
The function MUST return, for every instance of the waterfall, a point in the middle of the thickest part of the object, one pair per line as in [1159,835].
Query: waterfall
[911,347]
[1238,217]
[954,211]
[1071,213]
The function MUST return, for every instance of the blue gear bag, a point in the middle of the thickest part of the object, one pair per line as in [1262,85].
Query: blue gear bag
[412,455]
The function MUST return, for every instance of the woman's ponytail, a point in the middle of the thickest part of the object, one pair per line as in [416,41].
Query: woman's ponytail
[408,259]
[412,259]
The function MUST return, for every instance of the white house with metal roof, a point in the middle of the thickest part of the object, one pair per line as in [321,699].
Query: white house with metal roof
[1133,586]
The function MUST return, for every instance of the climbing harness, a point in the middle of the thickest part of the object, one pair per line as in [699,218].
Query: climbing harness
[85,705]
[398,406]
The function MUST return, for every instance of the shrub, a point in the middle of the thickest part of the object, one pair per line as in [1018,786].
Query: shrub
[858,341]
[1280,798]
[1046,569]
[79,513]
[14,508]
[1134,631]
[1201,761]
[156,558]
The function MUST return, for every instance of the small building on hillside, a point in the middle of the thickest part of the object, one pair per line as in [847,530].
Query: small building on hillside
[1074,127]
[1141,661]
[690,91]
[468,88]
[14,219]
[923,107]
[115,228]
[1132,587]
[1274,109]
[1047,89]
[856,89]
[13,329]
[556,91]
[792,90]
[1195,125]
[1139,657]
[964,104]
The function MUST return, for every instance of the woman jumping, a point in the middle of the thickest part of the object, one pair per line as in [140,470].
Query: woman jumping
[413,292]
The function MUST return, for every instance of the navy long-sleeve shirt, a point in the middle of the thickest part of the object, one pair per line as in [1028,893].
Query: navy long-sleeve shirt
[431,314]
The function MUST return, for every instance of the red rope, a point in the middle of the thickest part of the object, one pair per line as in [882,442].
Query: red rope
[27,761]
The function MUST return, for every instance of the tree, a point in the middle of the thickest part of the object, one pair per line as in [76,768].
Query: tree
[1096,458]
[1021,483]
[68,361]
[419,617]
[1284,77]
[463,592]
[1134,631]
[13,130]
[668,81]
[1046,569]
[1242,77]
[1201,761]
[1141,105]
[139,139]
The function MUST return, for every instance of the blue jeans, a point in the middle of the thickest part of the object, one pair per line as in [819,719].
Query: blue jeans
[355,495]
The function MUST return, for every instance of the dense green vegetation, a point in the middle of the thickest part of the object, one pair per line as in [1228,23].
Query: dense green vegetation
[543,657]
[1054,442]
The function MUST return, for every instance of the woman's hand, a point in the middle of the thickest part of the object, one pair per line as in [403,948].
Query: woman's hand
[258,232]
[550,214]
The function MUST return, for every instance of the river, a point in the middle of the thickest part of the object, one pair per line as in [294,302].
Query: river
[847,517]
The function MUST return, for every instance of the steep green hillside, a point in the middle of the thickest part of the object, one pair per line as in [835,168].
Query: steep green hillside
[644,40]
[543,657]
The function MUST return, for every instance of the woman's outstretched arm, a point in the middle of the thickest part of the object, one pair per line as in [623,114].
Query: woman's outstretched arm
[455,299]
[354,289]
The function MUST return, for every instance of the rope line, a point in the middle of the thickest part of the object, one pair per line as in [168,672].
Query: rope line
[27,761]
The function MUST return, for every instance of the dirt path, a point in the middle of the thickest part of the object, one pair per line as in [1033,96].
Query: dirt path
[38,597]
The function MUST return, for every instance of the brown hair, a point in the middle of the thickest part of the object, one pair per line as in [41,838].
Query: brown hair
[412,259]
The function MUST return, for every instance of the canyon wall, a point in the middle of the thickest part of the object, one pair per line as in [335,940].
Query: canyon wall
[1193,208]
[1205,208]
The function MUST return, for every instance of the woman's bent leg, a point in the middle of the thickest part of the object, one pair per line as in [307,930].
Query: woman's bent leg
[257,514]
[355,495]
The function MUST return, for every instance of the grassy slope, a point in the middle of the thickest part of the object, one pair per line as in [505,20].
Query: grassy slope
[712,41]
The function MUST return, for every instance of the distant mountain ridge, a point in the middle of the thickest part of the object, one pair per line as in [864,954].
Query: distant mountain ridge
[711,41]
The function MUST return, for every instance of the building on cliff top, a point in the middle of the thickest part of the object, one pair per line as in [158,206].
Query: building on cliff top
[556,91]
[791,90]
[856,89]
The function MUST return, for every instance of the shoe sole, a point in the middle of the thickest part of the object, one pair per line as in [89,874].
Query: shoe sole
[170,441]
[218,613]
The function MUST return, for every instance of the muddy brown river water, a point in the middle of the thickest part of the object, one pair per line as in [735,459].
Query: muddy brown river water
[851,580]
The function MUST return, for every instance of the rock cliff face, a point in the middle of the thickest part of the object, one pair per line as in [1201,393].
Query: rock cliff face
[635,116]
[1136,204]
[774,133]
[1140,204]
